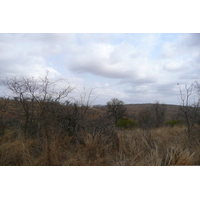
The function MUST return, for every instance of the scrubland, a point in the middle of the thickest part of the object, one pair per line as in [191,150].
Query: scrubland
[41,125]
[157,147]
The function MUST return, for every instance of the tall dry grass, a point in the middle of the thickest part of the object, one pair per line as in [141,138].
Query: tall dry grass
[158,147]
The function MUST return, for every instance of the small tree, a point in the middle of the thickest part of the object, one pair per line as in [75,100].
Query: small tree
[126,123]
[159,112]
[79,110]
[3,111]
[173,123]
[145,118]
[190,110]
[116,108]
[36,98]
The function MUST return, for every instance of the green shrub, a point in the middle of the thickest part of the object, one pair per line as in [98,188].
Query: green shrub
[126,123]
[173,123]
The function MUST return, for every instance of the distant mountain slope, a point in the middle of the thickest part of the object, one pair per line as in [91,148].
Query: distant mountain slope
[171,110]
[14,109]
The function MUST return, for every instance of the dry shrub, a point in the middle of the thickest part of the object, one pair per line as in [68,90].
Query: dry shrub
[57,151]
[127,143]
[15,153]
[162,146]
[134,146]
[98,149]
[179,156]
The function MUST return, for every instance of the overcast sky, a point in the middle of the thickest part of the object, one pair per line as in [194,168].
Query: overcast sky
[136,68]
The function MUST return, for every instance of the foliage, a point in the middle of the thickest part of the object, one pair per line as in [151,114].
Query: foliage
[173,123]
[126,123]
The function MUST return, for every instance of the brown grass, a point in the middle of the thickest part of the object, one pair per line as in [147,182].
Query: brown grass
[163,146]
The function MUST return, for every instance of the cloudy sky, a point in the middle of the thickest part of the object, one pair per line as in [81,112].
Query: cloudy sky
[136,68]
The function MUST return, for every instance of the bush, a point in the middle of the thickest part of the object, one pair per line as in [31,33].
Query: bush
[173,123]
[126,123]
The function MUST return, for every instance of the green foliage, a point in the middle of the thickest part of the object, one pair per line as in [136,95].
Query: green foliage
[173,123]
[126,123]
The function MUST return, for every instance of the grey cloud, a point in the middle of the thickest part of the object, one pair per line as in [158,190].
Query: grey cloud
[173,67]
[49,37]
[118,54]
[191,69]
[151,92]
[45,44]
[191,40]
[184,45]
[111,61]
[183,60]
[16,56]
[98,69]
[190,74]
[169,88]
[136,80]
[126,60]
[135,90]
[188,43]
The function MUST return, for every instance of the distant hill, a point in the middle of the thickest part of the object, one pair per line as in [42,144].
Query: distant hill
[172,111]
[14,109]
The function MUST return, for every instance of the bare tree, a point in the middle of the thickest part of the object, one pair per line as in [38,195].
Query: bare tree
[190,109]
[159,112]
[145,118]
[39,100]
[116,108]
[3,111]
[20,88]
[36,97]
[79,110]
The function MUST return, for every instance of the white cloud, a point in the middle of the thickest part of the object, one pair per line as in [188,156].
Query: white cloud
[117,65]
[17,57]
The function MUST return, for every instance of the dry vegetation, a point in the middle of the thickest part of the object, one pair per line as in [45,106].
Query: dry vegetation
[161,146]
[39,126]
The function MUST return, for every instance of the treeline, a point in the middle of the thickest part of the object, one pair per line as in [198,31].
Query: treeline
[154,116]
[39,108]
[151,117]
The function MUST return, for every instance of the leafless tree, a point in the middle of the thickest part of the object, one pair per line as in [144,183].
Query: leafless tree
[159,112]
[20,88]
[39,100]
[190,109]
[145,118]
[36,97]
[79,112]
[3,111]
